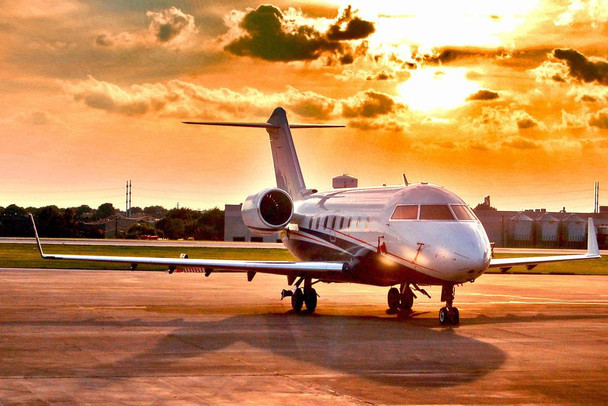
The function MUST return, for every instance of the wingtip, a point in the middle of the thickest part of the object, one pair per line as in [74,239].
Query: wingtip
[36,235]
[592,245]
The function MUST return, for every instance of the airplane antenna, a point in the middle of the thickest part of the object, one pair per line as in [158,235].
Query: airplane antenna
[405,182]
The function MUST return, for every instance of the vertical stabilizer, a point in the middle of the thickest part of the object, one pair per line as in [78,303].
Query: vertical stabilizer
[286,165]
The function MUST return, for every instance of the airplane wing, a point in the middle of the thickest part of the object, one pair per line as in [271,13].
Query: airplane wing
[289,268]
[530,262]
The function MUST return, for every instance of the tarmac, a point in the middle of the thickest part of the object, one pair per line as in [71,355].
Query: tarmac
[94,337]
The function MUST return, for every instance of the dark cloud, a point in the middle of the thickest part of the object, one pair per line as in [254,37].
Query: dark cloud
[520,59]
[350,27]
[104,40]
[583,68]
[380,76]
[525,123]
[599,119]
[270,36]
[588,98]
[370,104]
[484,95]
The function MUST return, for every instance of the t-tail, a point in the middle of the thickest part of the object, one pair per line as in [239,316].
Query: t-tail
[286,165]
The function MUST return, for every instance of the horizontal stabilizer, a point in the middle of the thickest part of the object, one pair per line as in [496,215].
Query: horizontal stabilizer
[262,125]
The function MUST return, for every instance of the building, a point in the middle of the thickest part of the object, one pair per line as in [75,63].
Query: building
[235,229]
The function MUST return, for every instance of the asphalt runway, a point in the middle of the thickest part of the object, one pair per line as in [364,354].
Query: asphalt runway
[144,338]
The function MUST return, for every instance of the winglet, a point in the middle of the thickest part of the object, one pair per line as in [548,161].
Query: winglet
[592,247]
[36,234]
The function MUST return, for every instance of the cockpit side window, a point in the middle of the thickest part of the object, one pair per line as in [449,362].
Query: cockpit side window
[405,212]
[436,212]
[462,212]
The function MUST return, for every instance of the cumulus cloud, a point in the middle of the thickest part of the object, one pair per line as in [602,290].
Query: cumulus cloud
[171,25]
[525,123]
[503,120]
[483,95]
[167,27]
[368,104]
[520,143]
[583,68]
[267,33]
[350,27]
[175,98]
[183,99]
[600,119]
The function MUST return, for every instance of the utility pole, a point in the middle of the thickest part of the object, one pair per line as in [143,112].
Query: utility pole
[596,208]
[128,199]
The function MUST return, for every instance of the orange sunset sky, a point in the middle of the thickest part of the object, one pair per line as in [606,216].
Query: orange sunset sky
[508,99]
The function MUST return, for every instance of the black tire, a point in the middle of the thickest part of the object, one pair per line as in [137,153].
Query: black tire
[297,300]
[310,299]
[407,300]
[455,316]
[394,299]
[443,315]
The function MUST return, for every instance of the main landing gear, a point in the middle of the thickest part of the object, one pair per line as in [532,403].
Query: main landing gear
[448,314]
[300,297]
[400,299]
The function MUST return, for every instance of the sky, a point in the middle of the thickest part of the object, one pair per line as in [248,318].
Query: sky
[506,99]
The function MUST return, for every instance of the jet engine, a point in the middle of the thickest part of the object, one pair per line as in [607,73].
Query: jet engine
[268,211]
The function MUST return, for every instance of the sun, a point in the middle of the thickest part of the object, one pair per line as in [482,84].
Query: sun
[434,90]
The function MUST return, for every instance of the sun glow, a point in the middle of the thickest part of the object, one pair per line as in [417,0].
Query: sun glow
[436,90]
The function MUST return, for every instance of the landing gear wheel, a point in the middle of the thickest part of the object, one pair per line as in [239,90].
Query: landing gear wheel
[455,316]
[443,315]
[407,300]
[449,316]
[310,299]
[297,300]
[394,299]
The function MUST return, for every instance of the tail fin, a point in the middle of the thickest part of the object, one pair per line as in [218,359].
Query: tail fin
[286,165]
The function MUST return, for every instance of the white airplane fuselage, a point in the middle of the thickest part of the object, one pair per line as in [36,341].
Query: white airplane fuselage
[420,234]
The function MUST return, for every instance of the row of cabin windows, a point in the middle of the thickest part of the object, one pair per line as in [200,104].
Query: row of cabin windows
[444,212]
[338,222]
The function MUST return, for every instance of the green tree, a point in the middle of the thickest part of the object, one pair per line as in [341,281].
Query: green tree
[139,229]
[104,211]
[158,212]
[172,228]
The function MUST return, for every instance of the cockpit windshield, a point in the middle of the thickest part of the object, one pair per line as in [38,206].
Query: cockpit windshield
[435,212]
[462,212]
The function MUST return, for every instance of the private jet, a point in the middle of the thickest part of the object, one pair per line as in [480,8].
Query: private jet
[403,237]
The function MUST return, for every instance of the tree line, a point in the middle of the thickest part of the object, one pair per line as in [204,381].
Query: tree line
[85,222]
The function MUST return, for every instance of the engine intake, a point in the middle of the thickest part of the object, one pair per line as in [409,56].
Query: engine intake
[268,211]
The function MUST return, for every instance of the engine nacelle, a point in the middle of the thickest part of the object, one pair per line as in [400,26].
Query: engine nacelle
[268,211]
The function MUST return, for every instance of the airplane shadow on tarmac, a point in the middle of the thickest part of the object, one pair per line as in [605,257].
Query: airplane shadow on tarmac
[391,351]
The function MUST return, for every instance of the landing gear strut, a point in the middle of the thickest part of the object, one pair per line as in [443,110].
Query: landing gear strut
[448,314]
[301,297]
[400,299]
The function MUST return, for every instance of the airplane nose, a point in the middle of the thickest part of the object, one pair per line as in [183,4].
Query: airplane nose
[470,253]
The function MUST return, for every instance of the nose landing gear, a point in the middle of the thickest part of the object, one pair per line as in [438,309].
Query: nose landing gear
[448,314]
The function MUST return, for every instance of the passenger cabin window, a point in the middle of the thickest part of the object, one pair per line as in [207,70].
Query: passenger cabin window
[325,222]
[310,223]
[405,212]
[462,212]
[436,212]
[341,223]
[317,220]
